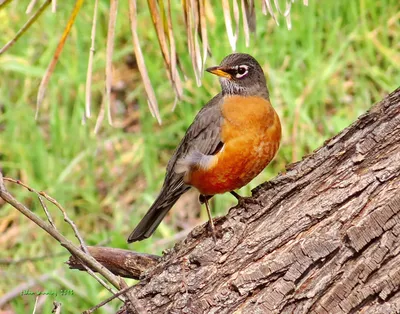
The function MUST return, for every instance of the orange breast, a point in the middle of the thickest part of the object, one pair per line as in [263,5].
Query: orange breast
[251,132]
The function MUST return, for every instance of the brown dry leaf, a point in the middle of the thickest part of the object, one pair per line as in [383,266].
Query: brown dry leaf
[152,101]
[176,79]
[228,24]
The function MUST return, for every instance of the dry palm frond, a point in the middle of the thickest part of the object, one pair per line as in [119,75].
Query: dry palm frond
[152,100]
[197,16]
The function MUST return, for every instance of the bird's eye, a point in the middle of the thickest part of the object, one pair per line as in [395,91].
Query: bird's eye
[242,70]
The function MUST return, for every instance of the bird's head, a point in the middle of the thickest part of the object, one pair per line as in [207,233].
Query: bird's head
[241,74]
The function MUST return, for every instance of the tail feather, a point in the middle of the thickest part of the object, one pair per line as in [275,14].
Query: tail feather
[155,215]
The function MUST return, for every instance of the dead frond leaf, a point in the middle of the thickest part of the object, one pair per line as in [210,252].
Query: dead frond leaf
[152,101]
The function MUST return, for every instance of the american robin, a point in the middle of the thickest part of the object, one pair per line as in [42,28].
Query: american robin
[232,139]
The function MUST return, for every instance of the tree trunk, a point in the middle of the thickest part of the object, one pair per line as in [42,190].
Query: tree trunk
[322,238]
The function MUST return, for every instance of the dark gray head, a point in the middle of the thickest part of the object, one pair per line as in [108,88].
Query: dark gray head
[241,74]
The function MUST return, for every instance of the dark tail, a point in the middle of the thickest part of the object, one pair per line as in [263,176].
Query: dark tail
[156,214]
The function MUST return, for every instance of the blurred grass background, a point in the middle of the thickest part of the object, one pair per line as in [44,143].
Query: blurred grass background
[339,59]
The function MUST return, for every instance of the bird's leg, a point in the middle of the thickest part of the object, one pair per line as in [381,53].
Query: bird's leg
[242,200]
[204,199]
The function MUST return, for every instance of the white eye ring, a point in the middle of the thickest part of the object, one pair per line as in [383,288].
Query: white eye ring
[241,68]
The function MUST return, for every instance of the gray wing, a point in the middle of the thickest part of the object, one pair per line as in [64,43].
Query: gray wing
[204,136]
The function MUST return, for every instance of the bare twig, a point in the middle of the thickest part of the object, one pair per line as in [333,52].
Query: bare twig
[57,204]
[96,307]
[66,219]
[69,221]
[87,259]
[46,211]
[121,262]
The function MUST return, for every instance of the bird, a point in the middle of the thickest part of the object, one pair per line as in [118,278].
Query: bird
[231,140]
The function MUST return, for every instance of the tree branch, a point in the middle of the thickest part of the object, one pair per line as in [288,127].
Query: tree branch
[322,238]
[120,262]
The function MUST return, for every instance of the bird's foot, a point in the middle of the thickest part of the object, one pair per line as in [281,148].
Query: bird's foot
[204,199]
[244,201]
[212,230]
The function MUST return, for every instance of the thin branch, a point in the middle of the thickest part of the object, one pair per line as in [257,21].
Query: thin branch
[96,307]
[46,211]
[85,258]
[121,262]
[89,260]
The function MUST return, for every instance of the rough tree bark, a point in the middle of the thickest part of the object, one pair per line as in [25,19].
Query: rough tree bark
[323,238]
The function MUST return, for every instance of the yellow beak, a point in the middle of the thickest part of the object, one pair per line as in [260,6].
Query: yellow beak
[219,72]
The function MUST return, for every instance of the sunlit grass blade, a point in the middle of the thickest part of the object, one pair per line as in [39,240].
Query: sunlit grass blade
[228,24]
[88,88]
[152,101]
[112,19]
[60,46]
[24,28]
[53,6]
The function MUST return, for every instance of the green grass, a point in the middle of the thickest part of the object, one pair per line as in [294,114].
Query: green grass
[339,59]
